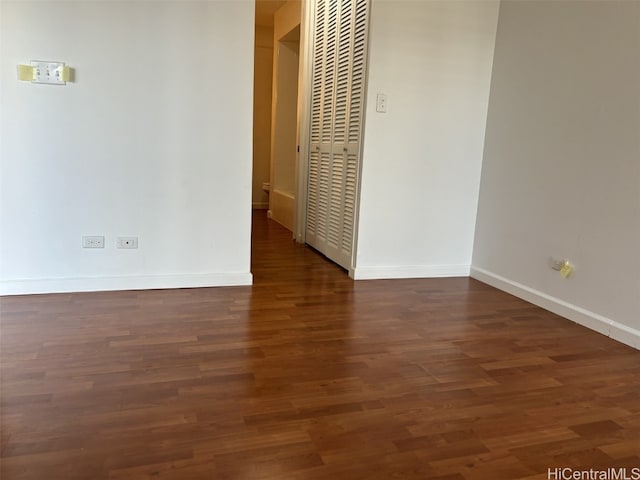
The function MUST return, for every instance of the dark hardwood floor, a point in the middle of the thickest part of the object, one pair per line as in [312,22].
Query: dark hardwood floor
[309,375]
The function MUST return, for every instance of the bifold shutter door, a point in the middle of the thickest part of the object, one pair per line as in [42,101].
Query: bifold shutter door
[336,125]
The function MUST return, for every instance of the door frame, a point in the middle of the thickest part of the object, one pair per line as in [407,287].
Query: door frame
[304,117]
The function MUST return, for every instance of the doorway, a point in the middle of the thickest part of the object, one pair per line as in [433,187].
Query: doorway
[318,101]
[262,101]
[284,138]
[275,128]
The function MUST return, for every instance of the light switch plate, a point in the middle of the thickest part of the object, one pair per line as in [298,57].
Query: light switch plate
[48,72]
[381,103]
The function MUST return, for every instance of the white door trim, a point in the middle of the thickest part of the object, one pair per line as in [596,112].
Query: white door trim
[304,109]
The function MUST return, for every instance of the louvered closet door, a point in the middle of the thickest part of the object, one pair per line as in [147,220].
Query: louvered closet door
[337,97]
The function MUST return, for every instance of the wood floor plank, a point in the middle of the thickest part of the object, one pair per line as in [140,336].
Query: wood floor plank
[308,375]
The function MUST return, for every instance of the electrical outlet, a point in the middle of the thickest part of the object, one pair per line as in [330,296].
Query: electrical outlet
[127,242]
[92,241]
[561,265]
[556,263]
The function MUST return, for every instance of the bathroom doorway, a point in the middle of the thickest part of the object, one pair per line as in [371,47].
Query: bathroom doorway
[284,139]
[276,112]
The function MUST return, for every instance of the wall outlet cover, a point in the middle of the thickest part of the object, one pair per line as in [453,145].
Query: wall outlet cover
[127,242]
[93,241]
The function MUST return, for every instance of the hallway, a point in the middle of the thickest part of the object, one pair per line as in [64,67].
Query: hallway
[309,375]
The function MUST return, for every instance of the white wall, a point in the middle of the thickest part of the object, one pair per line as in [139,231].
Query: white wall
[561,172]
[153,140]
[422,159]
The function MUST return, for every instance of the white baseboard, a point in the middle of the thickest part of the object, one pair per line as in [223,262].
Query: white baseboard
[592,320]
[410,271]
[133,282]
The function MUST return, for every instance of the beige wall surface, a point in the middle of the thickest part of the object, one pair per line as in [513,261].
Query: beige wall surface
[286,118]
[263,78]
[561,170]
[286,18]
